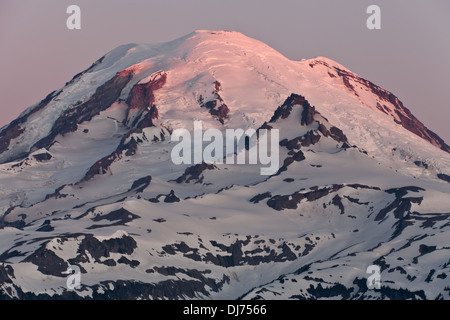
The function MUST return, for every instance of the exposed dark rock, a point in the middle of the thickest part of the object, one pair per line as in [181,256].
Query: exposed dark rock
[131,147]
[171,197]
[284,142]
[424,249]
[148,117]
[14,129]
[131,263]
[388,293]
[187,233]
[361,186]
[382,108]
[283,111]
[354,200]
[8,254]
[7,135]
[310,138]
[260,197]
[19,224]
[299,156]
[167,289]
[57,194]
[401,206]
[399,269]
[6,273]
[141,99]
[233,254]
[338,135]
[335,290]
[216,107]
[193,173]
[141,183]
[430,275]
[429,220]
[421,164]
[287,161]
[42,156]
[294,143]
[47,261]
[407,120]
[196,274]
[348,84]
[307,114]
[104,96]
[281,202]
[237,257]
[337,201]
[110,262]
[402,191]
[127,146]
[264,126]
[142,95]
[46,227]
[444,177]
[188,252]
[120,217]
[78,75]
[101,249]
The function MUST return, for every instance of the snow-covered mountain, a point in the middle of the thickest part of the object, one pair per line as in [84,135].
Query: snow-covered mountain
[87,179]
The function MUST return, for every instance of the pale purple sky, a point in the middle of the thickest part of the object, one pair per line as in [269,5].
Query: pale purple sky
[409,56]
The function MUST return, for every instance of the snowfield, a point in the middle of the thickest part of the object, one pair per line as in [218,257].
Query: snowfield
[87,179]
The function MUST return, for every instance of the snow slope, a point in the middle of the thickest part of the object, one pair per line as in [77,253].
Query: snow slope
[86,178]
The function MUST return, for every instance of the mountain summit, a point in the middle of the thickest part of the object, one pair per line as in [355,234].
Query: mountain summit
[86,179]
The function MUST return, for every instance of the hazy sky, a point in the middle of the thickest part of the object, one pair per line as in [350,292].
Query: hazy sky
[409,56]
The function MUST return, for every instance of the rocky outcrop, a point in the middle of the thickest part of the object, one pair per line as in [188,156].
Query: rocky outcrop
[42,156]
[91,247]
[260,197]
[9,134]
[147,117]
[119,217]
[310,138]
[283,111]
[334,132]
[141,101]
[401,206]
[444,177]
[309,115]
[127,147]
[281,202]
[297,156]
[194,173]
[46,226]
[14,129]
[47,261]
[235,254]
[103,98]
[171,197]
[216,106]
[6,273]
[406,118]
[140,184]
[142,94]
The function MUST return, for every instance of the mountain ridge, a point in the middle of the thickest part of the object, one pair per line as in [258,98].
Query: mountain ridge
[87,179]
[399,113]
